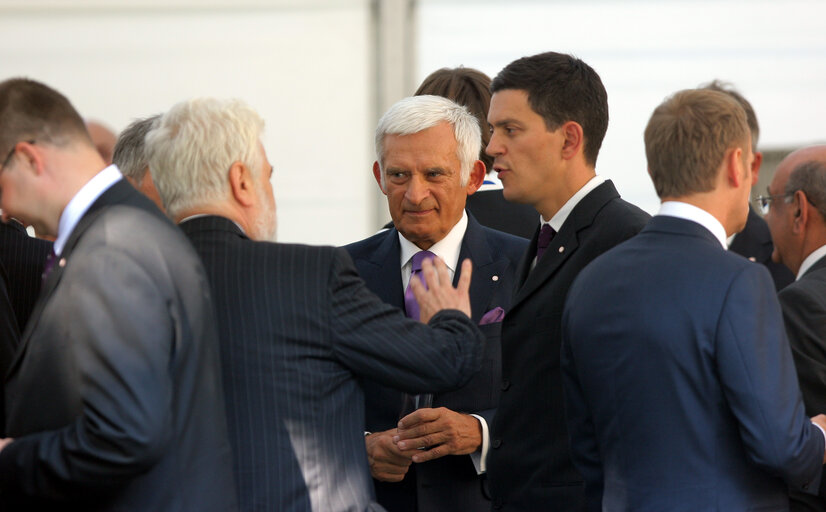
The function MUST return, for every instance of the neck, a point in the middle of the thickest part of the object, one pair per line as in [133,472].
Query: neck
[564,191]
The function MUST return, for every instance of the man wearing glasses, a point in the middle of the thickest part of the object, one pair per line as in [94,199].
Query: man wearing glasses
[795,211]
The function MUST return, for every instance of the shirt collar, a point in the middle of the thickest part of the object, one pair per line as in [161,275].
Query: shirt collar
[690,212]
[447,248]
[810,260]
[81,202]
[561,216]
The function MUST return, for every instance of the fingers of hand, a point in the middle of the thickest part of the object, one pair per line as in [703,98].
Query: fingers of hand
[464,279]
[433,453]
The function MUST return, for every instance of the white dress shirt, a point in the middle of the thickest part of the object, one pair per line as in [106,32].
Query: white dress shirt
[447,249]
[811,260]
[690,212]
[81,202]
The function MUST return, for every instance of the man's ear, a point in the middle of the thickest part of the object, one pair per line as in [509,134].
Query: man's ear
[377,175]
[802,208]
[735,171]
[30,157]
[755,167]
[574,139]
[476,178]
[242,184]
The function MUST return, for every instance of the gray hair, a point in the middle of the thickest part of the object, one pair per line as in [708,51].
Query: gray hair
[418,113]
[129,154]
[193,146]
[810,177]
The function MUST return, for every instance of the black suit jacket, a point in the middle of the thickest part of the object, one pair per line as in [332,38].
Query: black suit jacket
[804,314]
[449,483]
[491,209]
[24,258]
[9,336]
[114,396]
[755,243]
[529,465]
[298,330]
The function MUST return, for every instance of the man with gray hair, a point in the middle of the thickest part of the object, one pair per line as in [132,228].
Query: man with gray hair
[427,163]
[796,204]
[130,157]
[298,328]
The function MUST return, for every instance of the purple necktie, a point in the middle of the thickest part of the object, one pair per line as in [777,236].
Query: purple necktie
[546,234]
[411,307]
[51,259]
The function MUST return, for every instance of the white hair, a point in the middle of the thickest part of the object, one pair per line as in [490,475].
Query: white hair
[192,147]
[418,113]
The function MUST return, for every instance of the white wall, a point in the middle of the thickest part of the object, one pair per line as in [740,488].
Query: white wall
[307,67]
[644,50]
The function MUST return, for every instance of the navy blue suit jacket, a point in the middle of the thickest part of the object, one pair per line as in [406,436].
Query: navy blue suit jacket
[449,483]
[680,387]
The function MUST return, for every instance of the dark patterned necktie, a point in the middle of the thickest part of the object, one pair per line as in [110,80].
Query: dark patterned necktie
[51,259]
[546,234]
[411,307]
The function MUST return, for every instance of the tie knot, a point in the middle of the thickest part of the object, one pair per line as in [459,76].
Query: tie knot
[418,258]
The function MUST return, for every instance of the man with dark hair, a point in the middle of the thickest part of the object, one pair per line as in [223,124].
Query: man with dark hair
[754,241]
[130,157]
[797,219]
[680,388]
[114,397]
[549,114]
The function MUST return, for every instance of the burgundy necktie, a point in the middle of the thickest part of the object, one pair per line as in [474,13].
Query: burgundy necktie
[546,234]
[411,307]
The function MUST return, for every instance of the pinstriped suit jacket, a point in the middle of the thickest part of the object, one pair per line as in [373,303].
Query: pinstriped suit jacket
[298,329]
[24,258]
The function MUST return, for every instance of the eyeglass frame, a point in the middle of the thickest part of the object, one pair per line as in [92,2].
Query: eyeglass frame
[764,202]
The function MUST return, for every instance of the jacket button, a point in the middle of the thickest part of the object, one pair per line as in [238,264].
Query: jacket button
[505,384]
[496,443]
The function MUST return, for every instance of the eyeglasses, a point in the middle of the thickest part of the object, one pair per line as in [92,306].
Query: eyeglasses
[763,202]
[11,153]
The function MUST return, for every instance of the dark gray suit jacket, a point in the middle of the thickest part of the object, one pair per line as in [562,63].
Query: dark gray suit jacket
[114,396]
[448,483]
[529,465]
[804,312]
[299,329]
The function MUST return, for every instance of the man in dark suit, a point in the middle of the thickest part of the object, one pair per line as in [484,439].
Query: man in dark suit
[680,387]
[427,165]
[549,114]
[113,398]
[298,327]
[796,213]
[754,241]
[24,258]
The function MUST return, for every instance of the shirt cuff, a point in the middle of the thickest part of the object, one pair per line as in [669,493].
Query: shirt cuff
[479,457]
[821,431]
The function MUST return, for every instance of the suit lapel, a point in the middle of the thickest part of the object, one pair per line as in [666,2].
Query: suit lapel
[119,193]
[475,247]
[385,279]
[564,244]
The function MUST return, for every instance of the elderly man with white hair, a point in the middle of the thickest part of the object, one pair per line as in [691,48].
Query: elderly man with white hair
[427,164]
[298,328]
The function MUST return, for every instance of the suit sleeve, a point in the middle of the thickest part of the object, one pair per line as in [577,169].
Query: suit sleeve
[584,446]
[9,338]
[122,337]
[759,381]
[376,340]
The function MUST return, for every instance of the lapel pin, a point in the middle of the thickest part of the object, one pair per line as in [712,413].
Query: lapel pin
[752,258]
[561,249]
[62,262]
[494,278]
